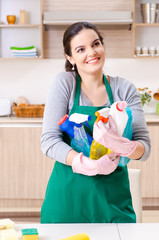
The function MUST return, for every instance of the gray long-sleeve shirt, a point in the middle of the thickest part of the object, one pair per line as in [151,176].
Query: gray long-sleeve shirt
[60,101]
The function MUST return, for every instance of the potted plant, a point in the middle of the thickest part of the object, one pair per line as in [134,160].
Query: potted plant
[146,97]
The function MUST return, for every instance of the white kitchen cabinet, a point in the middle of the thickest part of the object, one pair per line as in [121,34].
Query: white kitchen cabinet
[21,35]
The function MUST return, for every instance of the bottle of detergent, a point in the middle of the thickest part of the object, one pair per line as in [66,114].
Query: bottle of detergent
[119,115]
[122,116]
[97,150]
[80,141]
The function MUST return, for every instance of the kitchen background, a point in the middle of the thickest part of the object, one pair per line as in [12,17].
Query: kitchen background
[32,78]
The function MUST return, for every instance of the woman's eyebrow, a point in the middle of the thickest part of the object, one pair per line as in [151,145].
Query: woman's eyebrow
[96,40]
[79,47]
[83,45]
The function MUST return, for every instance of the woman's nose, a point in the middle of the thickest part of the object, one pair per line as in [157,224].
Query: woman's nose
[91,51]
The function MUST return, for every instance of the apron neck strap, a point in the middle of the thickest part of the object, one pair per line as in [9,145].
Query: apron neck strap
[78,89]
[108,88]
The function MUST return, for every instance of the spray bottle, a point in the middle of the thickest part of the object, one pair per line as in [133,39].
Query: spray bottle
[97,150]
[80,141]
[71,128]
[67,126]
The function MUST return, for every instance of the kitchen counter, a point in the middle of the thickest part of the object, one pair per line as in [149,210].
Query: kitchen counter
[14,119]
[150,118]
[96,231]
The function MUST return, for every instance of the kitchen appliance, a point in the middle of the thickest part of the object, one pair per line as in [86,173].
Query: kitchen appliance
[5,107]
[149,12]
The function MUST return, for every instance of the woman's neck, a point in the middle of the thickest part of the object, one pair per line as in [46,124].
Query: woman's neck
[94,89]
[92,81]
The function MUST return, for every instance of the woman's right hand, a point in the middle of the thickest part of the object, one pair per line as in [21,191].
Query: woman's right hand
[86,166]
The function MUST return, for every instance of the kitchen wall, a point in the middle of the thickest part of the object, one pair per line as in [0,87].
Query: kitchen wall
[32,78]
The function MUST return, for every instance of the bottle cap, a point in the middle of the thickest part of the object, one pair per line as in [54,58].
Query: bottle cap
[120,106]
[63,119]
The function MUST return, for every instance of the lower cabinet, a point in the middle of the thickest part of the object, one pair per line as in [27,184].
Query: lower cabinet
[150,171]
[24,170]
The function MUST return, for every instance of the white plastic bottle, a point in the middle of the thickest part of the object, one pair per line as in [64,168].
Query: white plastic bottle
[119,115]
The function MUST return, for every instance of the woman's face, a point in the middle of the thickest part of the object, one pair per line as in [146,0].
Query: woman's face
[87,52]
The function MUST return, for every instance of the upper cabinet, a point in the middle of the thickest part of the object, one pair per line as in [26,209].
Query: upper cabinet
[146,29]
[98,17]
[113,19]
[121,22]
[26,30]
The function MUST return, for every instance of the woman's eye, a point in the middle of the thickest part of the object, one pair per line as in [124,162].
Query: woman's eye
[96,44]
[80,50]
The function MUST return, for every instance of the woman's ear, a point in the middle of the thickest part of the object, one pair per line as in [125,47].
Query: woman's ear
[69,59]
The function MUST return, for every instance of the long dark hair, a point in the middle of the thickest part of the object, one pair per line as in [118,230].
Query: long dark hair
[71,32]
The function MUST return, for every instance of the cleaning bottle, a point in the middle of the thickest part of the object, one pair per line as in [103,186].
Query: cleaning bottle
[122,116]
[68,126]
[119,115]
[80,141]
[97,150]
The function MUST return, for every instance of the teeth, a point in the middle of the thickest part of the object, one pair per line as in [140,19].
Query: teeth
[92,61]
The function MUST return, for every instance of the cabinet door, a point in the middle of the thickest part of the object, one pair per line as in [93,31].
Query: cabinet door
[24,170]
[149,169]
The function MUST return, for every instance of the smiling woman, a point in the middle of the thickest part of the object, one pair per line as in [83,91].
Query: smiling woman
[82,190]
[73,32]
[90,56]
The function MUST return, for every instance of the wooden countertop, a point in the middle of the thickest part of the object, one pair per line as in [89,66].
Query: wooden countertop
[20,120]
[150,118]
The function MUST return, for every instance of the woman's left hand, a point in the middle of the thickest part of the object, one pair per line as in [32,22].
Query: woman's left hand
[110,139]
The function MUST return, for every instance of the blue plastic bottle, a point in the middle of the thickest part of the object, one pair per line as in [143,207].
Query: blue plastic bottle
[81,140]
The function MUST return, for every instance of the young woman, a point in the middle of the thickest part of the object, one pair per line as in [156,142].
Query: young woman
[81,190]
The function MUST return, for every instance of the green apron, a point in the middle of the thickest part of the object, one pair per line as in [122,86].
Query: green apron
[76,198]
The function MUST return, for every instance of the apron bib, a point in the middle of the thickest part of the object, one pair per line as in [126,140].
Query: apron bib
[76,198]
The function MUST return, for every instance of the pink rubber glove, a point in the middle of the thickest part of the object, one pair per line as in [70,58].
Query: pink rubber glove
[89,167]
[109,138]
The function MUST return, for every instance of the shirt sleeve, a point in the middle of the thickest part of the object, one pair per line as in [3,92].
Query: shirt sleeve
[140,130]
[57,105]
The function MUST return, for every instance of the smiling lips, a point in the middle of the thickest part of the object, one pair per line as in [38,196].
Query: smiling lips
[93,60]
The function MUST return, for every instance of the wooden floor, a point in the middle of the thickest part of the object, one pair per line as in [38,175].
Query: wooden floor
[148,217]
